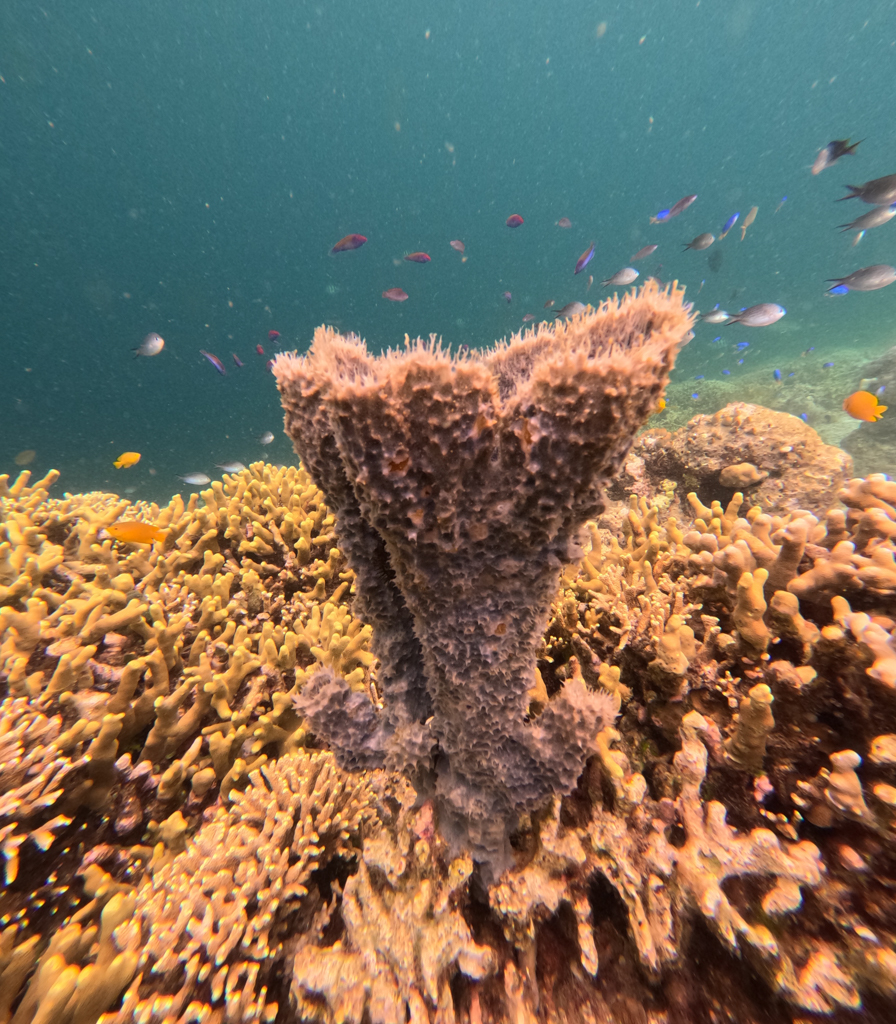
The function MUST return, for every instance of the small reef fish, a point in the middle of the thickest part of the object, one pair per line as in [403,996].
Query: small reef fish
[548,304]
[395,294]
[266,437]
[126,460]
[873,219]
[231,467]
[804,416]
[25,458]
[832,152]
[571,309]
[564,222]
[418,257]
[348,243]
[269,365]
[259,349]
[777,374]
[642,253]
[877,192]
[729,224]
[457,245]
[527,318]
[196,479]
[868,279]
[514,220]
[660,405]
[862,405]
[583,261]
[507,296]
[748,220]
[714,316]
[273,335]
[827,366]
[761,315]
[132,531]
[623,277]
[783,201]
[726,373]
[151,345]
[236,359]
[590,282]
[703,241]
[215,361]
[674,211]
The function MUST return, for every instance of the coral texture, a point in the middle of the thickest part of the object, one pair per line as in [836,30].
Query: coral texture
[460,486]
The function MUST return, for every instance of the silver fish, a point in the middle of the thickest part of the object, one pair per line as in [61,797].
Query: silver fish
[877,192]
[196,479]
[759,316]
[571,309]
[266,437]
[646,251]
[715,316]
[151,345]
[624,276]
[231,467]
[873,219]
[703,241]
[868,279]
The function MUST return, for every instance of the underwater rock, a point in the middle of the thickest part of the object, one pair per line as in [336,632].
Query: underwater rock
[801,471]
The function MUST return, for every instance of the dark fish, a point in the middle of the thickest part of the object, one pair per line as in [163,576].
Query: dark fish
[259,350]
[548,304]
[269,365]
[583,261]
[832,153]
[646,251]
[703,241]
[873,219]
[348,243]
[514,220]
[215,361]
[761,315]
[714,260]
[417,257]
[273,335]
[395,294]
[877,192]
[868,279]
[571,309]
[237,359]
[507,296]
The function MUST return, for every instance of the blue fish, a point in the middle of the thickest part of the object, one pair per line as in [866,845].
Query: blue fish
[727,373]
[791,374]
[583,261]
[695,395]
[740,362]
[838,289]
[660,217]
[777,374]
[881,390]
[714,340]
[215,361]
[729,224]
[826,366]
[804,416]
[741,345]
[700,376]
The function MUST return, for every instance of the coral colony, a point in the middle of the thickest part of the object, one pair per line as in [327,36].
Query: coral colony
[428,729]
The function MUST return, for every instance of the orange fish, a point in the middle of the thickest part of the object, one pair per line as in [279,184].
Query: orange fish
[862,405]
[126,460]
[132,531]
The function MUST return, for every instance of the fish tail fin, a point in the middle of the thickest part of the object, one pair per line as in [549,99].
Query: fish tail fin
[851,149]
[854,190]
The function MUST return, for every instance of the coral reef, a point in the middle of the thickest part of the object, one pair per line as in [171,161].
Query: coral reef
[776,459]
[460,486]
[177,848]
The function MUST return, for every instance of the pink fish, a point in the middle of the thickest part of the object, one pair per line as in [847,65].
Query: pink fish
[584,259]
[417,257]
[564,222]
[273,335]
[259,350]
[395,294]
[507,296]
[237,359]
[457,245]
[215,361]
[514,220]
[347,243]
[646,251]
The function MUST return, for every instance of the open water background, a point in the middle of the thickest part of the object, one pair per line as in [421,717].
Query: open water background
[185,168]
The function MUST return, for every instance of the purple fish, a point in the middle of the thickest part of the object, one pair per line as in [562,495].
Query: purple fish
[237,359]
[583,261]
[507,296]
[215,361]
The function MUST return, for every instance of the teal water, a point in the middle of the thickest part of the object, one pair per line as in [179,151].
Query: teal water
[185,169]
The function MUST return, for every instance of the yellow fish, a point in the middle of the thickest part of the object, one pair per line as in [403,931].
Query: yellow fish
[132,531]
[751,216]
[126,460]
[862,405]
[660,405]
